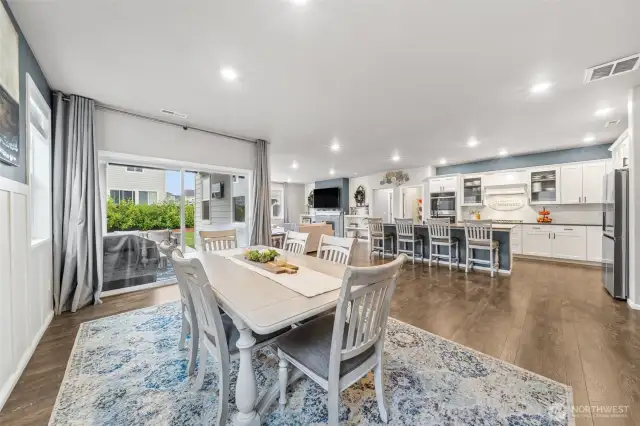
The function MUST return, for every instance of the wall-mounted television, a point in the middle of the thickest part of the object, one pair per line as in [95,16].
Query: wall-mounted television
[326,198]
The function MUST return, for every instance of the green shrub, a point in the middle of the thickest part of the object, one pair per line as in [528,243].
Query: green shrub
[127,216]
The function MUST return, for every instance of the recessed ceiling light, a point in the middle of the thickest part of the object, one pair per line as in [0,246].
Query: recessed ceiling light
[472,142]
[289,180]
[503,153]
[395,158]
[332,172]
[589,138]
[294,165]
[603,112]
[229,74]
[335,145]
[355,173]
[540,87]
[443,161]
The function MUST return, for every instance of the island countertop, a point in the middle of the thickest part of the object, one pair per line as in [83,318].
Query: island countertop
[460,225]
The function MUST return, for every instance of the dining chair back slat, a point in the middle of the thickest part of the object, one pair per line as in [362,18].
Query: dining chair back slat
[336,249]
[376,228]
[405,228]
[439,229]
[295,242]
[478,231]
[218,240]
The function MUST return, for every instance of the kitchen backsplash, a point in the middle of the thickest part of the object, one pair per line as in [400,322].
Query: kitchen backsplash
[588,214]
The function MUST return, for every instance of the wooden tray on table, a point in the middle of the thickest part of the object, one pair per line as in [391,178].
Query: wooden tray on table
[270,266]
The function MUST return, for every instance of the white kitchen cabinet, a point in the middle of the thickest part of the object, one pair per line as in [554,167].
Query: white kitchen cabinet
[569,242]
[536,240]
[571,183]
[516,240]
[594,243]
[581,183]
[443,184]
[544,185]
[471,190]
[592,181]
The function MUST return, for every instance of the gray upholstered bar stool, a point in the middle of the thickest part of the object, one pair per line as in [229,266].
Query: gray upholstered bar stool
[439,236]
[479,234]
[405,234]
[377,237]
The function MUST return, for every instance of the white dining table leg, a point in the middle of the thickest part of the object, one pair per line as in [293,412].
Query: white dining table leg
[246,387]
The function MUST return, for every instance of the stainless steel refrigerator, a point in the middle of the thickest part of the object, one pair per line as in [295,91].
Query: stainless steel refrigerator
[615,233]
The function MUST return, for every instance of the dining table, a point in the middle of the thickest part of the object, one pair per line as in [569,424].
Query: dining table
[258,304]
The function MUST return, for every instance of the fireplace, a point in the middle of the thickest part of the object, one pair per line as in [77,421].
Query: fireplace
[334,218]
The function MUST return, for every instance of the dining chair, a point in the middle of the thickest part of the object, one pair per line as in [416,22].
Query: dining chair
[335,353]
[295,242]
[405,234]
[218,240]
[158,236]
[479,236]
[189,318]
[440,236]
[377,237]
[336,249]
[218,334]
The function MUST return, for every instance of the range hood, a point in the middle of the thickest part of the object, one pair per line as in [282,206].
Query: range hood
[506,189]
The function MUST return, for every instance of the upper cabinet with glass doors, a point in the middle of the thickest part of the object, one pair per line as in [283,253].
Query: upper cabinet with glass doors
[544,186]
[472,191]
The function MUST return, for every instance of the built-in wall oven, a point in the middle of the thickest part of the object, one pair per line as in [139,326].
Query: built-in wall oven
[443,205]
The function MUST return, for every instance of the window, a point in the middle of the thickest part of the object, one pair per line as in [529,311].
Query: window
[147,197]
[206,197]
[238,209]
[118,195]
[135,169]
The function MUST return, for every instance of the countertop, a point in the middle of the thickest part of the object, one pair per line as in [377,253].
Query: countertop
[460,225]
[556,223]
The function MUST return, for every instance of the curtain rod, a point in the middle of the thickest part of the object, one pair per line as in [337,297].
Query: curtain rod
[159,120]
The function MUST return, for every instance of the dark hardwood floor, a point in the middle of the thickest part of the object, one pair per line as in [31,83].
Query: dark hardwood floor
[553,319]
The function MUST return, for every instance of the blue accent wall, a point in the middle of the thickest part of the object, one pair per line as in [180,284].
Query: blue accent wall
[341,183]
[592,152]
[28,64]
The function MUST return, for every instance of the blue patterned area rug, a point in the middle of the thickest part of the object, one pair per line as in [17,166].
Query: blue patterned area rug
[127,370]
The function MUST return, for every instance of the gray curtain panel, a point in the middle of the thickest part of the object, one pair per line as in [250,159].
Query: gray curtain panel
[261,229]
[77,211]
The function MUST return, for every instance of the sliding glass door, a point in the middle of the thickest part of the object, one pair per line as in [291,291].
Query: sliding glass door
[147,205]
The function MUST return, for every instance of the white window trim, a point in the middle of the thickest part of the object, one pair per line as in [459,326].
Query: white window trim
[135,193]
[149,191]
[32,92]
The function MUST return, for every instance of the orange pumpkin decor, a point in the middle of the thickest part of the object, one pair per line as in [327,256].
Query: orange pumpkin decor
[544,216]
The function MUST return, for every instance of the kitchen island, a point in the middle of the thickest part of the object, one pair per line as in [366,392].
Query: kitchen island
[501,234]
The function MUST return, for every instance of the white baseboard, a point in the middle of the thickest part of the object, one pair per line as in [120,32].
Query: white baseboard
[138,288]
[633,305]
[7,388]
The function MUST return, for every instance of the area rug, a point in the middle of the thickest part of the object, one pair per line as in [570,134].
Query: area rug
[127,370]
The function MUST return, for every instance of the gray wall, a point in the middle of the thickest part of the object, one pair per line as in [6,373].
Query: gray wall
[592,152]
[28,64]
[343,184]
[296,199]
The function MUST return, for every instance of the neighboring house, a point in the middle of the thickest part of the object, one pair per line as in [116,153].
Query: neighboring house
[142,185]
[189,196]
[220,203]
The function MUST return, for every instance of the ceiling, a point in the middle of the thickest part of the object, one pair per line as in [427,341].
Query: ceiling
[412,77]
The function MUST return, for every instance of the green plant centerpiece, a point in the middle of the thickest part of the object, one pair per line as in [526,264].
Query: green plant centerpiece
[262,256]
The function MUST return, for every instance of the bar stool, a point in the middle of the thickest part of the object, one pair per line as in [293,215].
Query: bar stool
[377,237]
[405,233]
[479,235]
[440,235]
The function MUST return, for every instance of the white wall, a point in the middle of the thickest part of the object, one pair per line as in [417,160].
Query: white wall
[372,182]
[116,132]
[634,196]
[25,285]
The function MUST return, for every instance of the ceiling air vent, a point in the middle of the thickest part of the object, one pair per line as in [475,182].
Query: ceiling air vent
[619,66]
[611,123]
[173,113]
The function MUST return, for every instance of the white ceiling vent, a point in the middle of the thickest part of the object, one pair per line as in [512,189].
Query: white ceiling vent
[612,123]
[619,66]
[173,113]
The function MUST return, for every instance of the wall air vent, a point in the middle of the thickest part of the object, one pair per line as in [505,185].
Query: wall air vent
[619,66]
[173,113]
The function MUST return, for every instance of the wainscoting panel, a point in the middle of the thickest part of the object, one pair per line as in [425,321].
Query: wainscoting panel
[25,285]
